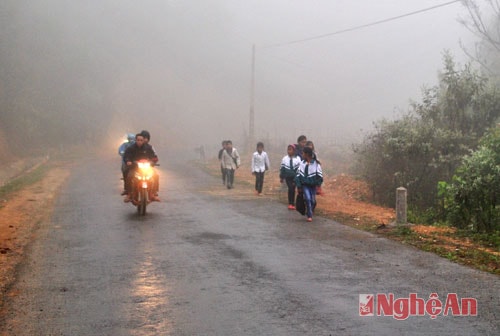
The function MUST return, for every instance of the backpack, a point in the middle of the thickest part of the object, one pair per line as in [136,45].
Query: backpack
[300,204]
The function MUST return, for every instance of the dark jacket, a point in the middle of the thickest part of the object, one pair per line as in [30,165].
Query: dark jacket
[135,153]
[299,151]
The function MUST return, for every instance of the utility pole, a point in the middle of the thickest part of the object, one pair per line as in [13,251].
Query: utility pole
[251,130]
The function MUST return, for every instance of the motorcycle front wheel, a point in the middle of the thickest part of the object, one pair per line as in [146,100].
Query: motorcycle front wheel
[143,201]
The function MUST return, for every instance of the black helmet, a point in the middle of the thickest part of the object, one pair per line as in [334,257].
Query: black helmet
[146,134]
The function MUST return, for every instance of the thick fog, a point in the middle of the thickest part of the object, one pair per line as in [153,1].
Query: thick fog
[182,68]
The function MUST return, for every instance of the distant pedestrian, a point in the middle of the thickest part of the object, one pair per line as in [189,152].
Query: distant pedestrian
[260,163]
[230,162]
[201,152]
[288,170]
[222,171]
[310,144]
[299,147]
[309,176]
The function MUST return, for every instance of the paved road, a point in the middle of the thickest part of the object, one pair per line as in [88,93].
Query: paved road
[211,261]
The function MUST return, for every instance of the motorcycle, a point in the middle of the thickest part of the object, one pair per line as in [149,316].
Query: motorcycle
[142,190]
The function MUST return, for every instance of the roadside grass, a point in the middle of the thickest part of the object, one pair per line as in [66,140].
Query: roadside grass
[24,180]
[459,246]
[38,171]
[480,251]
[487,240]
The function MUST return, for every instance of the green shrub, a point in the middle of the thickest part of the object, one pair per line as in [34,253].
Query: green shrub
[427,144]
[474,193]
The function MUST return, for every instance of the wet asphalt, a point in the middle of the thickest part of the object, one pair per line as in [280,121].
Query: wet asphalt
[212,261]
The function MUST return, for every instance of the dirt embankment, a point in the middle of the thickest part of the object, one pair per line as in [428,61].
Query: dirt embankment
[21,212]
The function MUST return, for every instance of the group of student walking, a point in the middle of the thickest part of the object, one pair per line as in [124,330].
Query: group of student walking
[299,169]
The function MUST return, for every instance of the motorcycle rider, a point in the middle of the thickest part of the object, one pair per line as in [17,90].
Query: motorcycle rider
[121,151]
[140,150]
[147,138]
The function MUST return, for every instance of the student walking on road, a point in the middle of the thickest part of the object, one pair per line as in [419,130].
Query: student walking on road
[260,163]
[310,144]
[222,171]
[299,147]
[309,176]
[230,162]
[288,170]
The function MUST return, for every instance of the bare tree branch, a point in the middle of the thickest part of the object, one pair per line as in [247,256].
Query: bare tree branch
[487,28]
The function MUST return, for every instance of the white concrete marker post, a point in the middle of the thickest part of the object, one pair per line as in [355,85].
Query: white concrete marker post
[401,205]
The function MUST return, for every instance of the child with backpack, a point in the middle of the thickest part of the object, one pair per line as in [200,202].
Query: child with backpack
[288,171]
[309,177]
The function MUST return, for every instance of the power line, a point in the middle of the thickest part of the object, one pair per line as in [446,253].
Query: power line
[362,26]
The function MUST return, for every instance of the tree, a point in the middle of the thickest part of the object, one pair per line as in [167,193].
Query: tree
[397,154]
[427,144]
[487,29]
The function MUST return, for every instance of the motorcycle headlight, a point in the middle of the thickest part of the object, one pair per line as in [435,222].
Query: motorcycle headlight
[144,165]
[145,170]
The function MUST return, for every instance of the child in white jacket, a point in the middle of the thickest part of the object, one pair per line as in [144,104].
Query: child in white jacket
[230,162]
[260,163]
[309,177]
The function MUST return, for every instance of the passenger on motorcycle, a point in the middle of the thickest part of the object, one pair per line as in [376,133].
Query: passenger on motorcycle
[140,150]
[121,151]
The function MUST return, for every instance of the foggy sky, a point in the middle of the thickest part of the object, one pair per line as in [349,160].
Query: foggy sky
[182,68]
